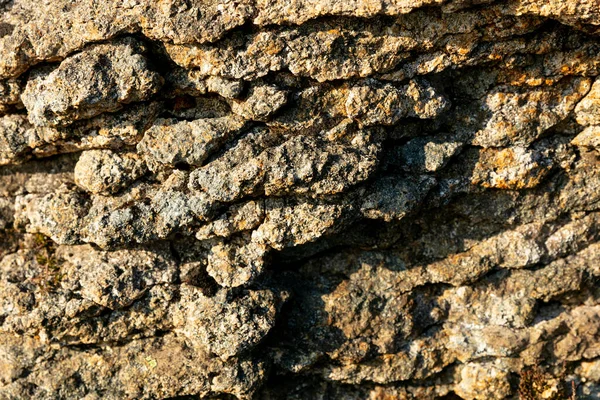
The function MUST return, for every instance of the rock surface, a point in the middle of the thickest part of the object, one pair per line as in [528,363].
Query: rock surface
[300,199]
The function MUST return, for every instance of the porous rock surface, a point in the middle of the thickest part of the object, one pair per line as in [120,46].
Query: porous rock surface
[300,199]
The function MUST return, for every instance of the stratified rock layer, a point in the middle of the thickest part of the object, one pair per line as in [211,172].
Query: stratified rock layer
[300,199]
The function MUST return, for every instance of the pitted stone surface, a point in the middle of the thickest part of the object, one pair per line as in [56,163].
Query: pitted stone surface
[107,75]
[299,199]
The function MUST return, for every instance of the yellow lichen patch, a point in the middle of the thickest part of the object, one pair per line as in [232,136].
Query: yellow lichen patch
[511,168]
[530,78]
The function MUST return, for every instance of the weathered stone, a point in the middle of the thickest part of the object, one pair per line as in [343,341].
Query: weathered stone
[589,137]
[237,262]
[238,218]
[587,110]
[299,199]
[106,131]
[57,215]
[510,168]
[519,119]
[128,274]
[99,79]
[426,154]
[291,223]
[192,82]
[261,103]
[171,142]
[480,381]
[10,94]
[395,196]
[227,328]
[16,138]
[387,105]
[299,165]
[104,171]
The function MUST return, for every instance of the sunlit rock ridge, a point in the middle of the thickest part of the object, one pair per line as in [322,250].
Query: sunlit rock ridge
[299,199]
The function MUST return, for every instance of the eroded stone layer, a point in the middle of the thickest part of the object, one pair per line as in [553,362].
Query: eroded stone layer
[300,199]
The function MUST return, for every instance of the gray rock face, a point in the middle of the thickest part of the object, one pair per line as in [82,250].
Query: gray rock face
[107,75]
[300,199]
[104,171]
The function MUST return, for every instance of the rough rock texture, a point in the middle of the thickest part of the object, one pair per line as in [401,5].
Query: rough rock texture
[285,199]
